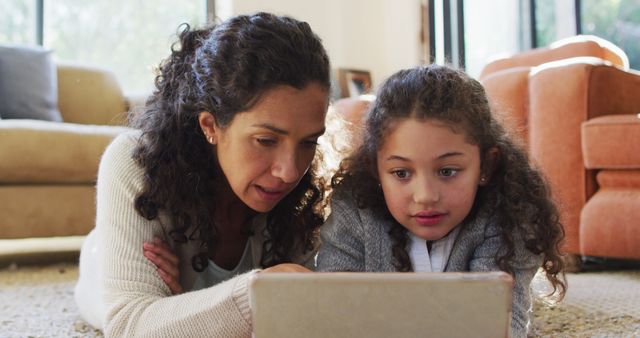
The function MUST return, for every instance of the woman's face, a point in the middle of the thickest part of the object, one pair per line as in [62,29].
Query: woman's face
[265,151]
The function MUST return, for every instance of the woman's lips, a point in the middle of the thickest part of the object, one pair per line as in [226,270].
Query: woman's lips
[270,194]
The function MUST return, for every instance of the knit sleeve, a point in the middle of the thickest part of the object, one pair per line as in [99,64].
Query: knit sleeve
[138,302]
[524,265]
[342,239]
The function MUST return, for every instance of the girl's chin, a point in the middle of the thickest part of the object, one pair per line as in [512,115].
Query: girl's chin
[428,236]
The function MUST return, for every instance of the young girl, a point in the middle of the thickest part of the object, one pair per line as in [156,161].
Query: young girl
[436,185]
[220,169]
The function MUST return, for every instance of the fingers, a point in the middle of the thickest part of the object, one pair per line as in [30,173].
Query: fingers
[171,282]
[162,257]
[160,254]
[161,248]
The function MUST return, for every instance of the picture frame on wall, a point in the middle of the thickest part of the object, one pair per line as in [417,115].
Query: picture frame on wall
[354,82]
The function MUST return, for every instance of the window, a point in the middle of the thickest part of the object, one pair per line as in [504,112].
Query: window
[490,31]
[128,37]
[617,21]
[554,20]
[18,22]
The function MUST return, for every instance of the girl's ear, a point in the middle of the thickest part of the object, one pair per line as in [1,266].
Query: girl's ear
[489,164]
[209,127]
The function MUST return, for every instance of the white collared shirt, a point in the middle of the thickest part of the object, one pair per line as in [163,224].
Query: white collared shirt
[436,260]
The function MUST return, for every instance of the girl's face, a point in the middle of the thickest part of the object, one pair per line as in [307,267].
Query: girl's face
[429,175]
[265,151]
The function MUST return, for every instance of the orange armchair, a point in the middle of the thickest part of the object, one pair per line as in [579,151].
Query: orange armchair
[547,98]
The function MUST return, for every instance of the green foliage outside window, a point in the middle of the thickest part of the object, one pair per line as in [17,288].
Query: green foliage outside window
[545,22]
[617,21]
[17,19]
[128,37]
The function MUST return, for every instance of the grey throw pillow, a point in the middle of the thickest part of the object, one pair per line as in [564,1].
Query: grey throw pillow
[28,84]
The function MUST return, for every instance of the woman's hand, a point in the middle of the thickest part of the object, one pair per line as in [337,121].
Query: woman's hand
[287,267]
[160,254]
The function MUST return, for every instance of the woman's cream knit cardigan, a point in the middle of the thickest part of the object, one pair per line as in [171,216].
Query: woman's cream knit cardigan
[124,289]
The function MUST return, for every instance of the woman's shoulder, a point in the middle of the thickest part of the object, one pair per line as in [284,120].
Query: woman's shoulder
[122,146]
[117,158]
[124,142]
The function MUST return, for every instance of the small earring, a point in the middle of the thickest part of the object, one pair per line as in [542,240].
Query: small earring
[482,179]
[210,139]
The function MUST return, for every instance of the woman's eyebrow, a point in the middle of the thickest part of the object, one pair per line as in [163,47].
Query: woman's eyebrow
[272,128]
[280,131]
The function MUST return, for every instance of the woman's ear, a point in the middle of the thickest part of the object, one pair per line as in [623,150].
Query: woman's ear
[209,126]
[489,164]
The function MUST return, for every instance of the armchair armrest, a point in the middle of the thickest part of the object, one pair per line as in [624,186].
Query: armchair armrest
[563,95]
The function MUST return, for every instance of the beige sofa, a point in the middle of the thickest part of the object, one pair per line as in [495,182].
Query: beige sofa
[48,169]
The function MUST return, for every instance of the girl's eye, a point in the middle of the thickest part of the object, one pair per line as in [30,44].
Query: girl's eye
[401,174]
[448,172]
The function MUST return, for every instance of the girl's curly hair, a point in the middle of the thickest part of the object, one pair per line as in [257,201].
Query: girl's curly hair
[224,70]
[516,192]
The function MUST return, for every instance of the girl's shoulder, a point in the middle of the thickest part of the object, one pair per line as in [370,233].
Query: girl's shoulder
[345,207]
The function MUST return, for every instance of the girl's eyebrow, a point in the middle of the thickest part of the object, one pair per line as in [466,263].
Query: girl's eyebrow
[443,156]
[398,158]
[279,131]
[450,154]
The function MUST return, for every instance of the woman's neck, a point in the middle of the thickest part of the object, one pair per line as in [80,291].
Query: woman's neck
[231,214]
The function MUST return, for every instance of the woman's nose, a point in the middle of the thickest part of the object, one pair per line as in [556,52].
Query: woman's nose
[285,168]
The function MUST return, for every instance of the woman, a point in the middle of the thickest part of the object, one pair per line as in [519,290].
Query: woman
[220,168]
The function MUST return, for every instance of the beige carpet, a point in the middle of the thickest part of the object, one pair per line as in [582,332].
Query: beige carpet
[597,304]
[38,302]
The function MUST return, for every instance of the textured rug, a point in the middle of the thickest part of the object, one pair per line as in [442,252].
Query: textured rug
[38,302]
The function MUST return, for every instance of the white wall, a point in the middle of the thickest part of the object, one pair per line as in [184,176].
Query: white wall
[381,36]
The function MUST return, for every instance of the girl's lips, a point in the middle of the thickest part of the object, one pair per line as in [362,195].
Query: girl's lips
[428,219]
[270,194]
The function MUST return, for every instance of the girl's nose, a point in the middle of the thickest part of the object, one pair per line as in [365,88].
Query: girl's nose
[426,193]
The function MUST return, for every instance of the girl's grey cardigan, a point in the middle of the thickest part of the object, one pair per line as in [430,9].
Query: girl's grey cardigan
[358,240]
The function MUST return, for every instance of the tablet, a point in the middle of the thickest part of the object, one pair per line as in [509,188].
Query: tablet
[348,304]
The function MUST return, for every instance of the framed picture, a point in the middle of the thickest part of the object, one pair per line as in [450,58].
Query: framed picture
[353,82]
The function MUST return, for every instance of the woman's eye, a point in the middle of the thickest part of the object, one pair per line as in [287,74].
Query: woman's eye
[266,141]
[401,174]
[448,172]
[310,143]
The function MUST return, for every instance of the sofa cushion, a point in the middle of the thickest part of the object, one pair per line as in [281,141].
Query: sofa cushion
[28,85]
[611,142]
[36,152]
[90,95]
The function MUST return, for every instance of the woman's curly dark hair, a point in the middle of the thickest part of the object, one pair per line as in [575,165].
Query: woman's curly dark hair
[224,70]
[516,192]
